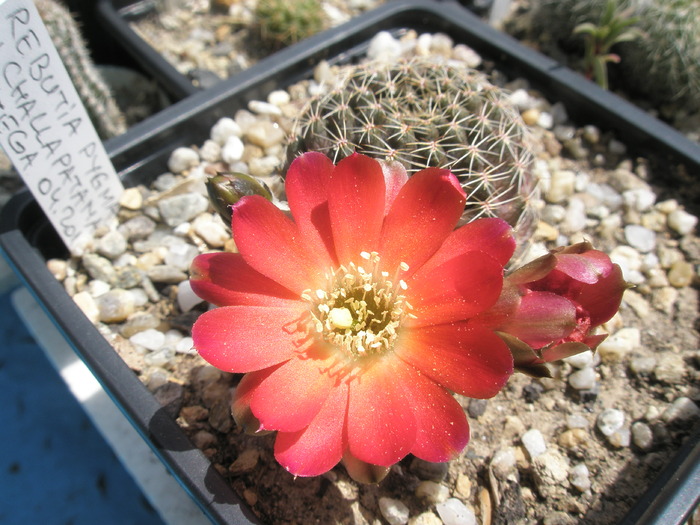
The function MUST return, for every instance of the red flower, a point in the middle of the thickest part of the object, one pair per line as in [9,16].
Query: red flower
[355,321]
[550,308]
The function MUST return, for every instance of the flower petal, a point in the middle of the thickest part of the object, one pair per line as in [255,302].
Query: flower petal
[603,299]
[586,267]
[270,243]
[247,338]
[356,205]
[395,176]
[319,447]
[472,361]
[224,278]
[240,404]
[306,185]
[491,236]
[441,424]
[291,396]
[424,212]
[381,425]
[541,319]
[456,290]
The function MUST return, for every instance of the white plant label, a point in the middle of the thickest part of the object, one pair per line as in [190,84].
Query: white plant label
[47,133]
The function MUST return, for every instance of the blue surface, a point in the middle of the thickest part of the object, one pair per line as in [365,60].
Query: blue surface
[55,467]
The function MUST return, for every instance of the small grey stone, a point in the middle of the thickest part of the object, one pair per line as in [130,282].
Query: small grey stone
[182,159]
[160,357]
[551,472]
[127,277]
[163,273]
[178,209]
[138,227]
[454,512]
[111,245]
[579,477]
[225,128]
[245,462]
[620,438]
[642,365]
[610,421]
[394,511]
[584,379]
[477,407]
[642,435]
[639,237]
[115,306]
[503,463]
[682,409]
[150,338]
[180,255]
[670,368]
[682,222]
[99,267]
[428,470]
[139,322]
[533,441]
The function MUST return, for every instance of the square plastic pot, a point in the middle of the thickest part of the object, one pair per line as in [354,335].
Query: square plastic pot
[27,239]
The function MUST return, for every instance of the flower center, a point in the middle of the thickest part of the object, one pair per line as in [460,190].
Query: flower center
[360,309]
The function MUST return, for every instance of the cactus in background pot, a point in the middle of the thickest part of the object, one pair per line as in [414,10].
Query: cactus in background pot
[663,63]
[422,113]
[94,92]
[282,22]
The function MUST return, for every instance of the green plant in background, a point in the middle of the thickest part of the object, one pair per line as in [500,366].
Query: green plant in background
[665,63]
[94,92]
[284,22]
[422,113]
[613,28]
[662,64]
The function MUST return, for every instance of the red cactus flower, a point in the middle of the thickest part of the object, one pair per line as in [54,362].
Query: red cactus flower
[551,307]
[355,321]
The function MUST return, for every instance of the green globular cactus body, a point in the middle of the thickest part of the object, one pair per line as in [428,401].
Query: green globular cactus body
[94,93]
[663,63]
[283,22]
[423,113]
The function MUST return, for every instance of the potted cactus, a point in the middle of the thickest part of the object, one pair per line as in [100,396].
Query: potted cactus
[234,476]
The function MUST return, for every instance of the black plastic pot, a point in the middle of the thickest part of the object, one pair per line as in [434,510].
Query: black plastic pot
[28,240]
[115,16]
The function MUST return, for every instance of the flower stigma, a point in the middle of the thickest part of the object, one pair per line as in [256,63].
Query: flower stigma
[360,308]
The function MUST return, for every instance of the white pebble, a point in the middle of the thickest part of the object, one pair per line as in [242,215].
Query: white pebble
[615,347]
[264,108]
[610,421]
[384,47]
[87,305]
[182,159]
[561,186]
[394,511]
[575,220]
[232,150]
[584,379]
[224,129]
[279,97]
[639,237]
[181,255]
[186,298]
[579,477]
[454,512]
[639,199]
[533,441]
[210,151]
[581,360]
[185,346]
[682,222]
[682,409]
[151,339]
[432,491]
